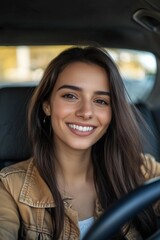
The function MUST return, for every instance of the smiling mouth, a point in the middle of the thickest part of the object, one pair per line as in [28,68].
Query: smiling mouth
[81,128]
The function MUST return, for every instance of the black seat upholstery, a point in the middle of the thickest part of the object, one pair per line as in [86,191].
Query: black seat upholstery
[14,145]
[156,116]
[151,135]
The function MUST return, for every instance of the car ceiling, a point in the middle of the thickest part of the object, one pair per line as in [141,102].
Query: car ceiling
[108,22]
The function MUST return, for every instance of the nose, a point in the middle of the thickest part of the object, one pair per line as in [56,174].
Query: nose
[85,110]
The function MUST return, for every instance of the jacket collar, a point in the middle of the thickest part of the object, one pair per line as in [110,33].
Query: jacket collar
[35,191]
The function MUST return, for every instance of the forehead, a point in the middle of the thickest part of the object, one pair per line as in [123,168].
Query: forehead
[83,74]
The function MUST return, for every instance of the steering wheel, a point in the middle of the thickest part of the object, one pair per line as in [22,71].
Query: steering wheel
[124,210]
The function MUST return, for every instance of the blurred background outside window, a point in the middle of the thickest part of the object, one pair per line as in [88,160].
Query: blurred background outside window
[27,64]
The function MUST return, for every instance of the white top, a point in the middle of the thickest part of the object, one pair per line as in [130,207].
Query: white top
[84,226]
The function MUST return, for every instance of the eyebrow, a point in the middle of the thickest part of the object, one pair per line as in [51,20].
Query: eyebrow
[72,87]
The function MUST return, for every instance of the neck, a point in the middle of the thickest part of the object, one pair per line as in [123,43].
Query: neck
[73,166]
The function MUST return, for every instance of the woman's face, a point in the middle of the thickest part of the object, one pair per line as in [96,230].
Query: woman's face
[79,106]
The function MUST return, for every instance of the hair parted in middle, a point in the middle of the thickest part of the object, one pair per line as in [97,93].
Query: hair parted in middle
[116,156]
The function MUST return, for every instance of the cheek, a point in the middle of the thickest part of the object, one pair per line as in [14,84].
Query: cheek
[106,117]
[60,110]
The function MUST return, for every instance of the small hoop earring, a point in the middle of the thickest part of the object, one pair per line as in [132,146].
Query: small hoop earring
[44,119]
[47,124]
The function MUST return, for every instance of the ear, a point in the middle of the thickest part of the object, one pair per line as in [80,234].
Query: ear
[46,108]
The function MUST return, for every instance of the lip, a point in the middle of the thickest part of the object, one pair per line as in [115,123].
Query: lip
[81,129]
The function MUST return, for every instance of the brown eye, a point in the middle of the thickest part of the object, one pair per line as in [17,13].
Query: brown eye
[69,96]
[101,102]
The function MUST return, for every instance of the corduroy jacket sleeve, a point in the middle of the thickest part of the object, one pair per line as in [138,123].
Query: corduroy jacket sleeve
[151,169]
[9,216]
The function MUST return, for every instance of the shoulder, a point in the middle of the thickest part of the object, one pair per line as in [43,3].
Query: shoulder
[20,167]
[13,176]
[150,167]
[24,183]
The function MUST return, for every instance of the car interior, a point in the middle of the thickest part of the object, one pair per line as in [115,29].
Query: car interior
[125,24]
[131,24]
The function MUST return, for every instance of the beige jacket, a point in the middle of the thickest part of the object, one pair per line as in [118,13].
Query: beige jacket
[25,202]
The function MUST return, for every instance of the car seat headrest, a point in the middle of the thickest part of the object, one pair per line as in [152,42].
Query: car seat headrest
[14,144]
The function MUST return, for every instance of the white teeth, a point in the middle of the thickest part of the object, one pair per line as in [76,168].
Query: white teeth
[81,128]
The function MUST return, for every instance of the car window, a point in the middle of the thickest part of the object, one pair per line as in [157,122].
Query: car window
[27,63]
[138,70]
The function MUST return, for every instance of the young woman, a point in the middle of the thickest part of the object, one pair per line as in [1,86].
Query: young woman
[86,154]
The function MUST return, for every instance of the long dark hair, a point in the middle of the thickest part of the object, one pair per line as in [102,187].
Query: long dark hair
[116,156]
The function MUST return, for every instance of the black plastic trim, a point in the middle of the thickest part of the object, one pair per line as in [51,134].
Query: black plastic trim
[148,19]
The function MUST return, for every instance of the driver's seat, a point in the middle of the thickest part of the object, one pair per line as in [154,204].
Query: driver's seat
[14,145]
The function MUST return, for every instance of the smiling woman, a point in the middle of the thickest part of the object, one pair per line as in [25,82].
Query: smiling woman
[77,104]
[86,153]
